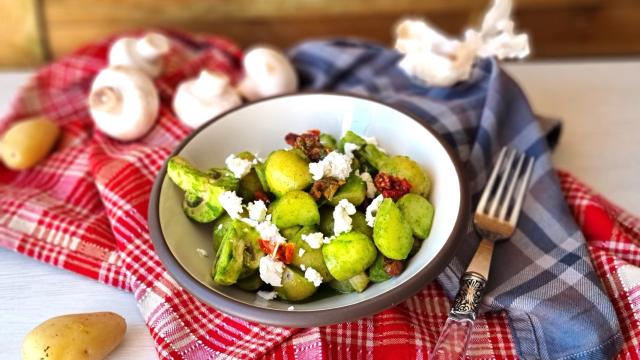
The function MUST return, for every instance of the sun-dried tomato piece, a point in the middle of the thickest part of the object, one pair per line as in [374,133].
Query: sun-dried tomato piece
[393,267]
[284,253]
[391,186]
[326,188]
[309,143]
[261,195]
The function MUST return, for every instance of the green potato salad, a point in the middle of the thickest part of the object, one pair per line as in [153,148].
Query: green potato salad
[322,212]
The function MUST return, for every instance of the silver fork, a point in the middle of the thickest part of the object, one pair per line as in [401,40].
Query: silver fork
[495,219]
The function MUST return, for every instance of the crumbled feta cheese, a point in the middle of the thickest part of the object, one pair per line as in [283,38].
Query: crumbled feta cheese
[250,222]
[202,252]
[219,226]
[269,231]
[267,295]
[271,271]
[371,187]
[349,148]
[231,203]
[372,210]
[303,267]
[328,239]
[342,216]
[301,252]
[312,275]
[290,308]
[239,167]
[257,210]
[335,165]
[314,239]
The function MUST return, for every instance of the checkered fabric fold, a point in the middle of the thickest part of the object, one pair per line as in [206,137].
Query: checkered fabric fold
[84,209]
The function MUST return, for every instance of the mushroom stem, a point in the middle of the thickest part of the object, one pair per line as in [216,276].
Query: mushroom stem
[151,46]
[108,99]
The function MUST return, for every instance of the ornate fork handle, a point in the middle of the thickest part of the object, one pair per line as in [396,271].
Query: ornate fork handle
[452,343]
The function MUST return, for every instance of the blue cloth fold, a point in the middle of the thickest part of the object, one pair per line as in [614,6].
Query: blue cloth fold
[542,276]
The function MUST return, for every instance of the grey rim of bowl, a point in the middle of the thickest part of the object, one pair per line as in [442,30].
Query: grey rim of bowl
[314,317]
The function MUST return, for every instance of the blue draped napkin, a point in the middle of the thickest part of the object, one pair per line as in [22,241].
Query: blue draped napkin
[542,276]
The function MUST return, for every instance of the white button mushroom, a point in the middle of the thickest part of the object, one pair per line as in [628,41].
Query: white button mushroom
[123,102]
[268,72]
[201,99]
[141,53]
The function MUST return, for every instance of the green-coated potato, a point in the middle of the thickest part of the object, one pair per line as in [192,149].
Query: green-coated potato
[359,224]
[404,167]
[354,190]
[295,286]
[376,271]
[229,259]
[220,227]
[391,231]
[249,185]
[295,208]
[349,254]
[198,210]
[326,220]
[418,212]
[250,283]
[312,258]
[286,171]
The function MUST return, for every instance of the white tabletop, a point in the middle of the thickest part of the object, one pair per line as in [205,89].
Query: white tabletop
[597,102]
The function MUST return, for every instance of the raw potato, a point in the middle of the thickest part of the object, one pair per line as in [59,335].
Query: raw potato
[89,336]
[27,142]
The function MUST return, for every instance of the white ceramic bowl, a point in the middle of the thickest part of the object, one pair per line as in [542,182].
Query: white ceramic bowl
[260,127]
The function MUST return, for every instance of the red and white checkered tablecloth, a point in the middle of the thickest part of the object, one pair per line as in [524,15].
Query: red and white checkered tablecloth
[85,208]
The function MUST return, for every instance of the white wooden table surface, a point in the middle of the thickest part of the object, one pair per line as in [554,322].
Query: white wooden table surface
[598,102]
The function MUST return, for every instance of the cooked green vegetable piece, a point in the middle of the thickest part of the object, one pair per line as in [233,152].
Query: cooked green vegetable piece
[326,220]
[374,156]
[229,259]
[343,287]
[377,272]
[250,283]
[198,210]
[359,224]
[250,183]
[252,250]
[295,208]
[418,212]
[349,254]
[356,283]
[295,286]
[359,282]
[391,231]
[259,168]
[204,185]
[351,137]
[220,227]
[328,141]
[354,190]
[290,232]
[312,258]
[287,171]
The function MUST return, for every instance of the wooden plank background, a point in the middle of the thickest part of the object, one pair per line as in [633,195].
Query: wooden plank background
[557,27]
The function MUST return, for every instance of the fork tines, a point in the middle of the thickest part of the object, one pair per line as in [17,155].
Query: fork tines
[511,171]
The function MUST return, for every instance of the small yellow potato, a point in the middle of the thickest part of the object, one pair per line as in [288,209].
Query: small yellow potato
[90,336]
[27,142]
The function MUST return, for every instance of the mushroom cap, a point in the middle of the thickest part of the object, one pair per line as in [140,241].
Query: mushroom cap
[141,53]
[200,99]
[123,102]
[268,72]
